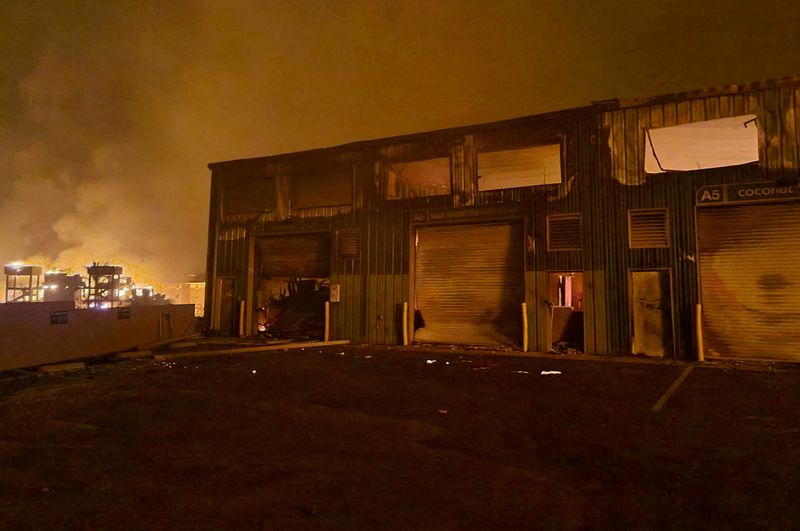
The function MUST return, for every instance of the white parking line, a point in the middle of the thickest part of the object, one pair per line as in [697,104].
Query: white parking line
[672,388]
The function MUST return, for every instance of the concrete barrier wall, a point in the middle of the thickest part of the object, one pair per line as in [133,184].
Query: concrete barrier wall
[38,333]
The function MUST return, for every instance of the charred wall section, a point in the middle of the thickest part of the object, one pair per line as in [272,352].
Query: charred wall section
[378,279]
[622,185]
[602,178]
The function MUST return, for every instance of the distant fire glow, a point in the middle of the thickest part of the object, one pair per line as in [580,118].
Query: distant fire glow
[102,286]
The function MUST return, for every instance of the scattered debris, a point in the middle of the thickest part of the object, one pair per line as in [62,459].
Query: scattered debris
[564,348]
[261,348]
[297,313]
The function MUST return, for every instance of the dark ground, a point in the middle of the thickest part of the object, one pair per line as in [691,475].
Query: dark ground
[382,439]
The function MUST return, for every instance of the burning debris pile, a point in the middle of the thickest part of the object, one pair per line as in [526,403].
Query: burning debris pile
[297,313]
[102,287]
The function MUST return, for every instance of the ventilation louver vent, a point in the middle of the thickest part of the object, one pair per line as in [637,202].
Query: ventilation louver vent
[348,243]
[564,232]
[648,228]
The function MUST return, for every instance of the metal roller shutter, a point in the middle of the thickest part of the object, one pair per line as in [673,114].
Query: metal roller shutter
[750,280]
[470,283]
[296,255]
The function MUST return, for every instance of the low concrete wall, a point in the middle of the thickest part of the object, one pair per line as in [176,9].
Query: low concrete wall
[37,333]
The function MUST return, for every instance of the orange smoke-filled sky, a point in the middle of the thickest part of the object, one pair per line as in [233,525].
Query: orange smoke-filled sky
[110,111]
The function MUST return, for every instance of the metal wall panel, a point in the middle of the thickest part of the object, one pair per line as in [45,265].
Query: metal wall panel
[469,283]
[750,280]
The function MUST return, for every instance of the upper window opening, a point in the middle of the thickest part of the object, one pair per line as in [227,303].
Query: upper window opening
[421,178]
[248,195]
[515,168]
[326,189]
[702,145]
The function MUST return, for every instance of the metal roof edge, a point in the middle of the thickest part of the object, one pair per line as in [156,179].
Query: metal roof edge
[376,142]
[722,90]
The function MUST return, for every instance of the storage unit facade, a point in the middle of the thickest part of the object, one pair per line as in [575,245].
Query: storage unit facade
[554,224]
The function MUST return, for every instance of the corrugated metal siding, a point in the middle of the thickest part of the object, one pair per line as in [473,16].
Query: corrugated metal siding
[623,185]
[750,280]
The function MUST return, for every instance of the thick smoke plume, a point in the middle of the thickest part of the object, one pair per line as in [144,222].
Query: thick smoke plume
[110,111]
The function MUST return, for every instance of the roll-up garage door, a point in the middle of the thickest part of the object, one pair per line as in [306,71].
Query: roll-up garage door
[296,255]
[469,282]
[750,280]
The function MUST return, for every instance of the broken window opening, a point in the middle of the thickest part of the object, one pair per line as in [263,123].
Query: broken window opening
[322,189]
[249,195]
[517,168]
[702,145]
[421,178]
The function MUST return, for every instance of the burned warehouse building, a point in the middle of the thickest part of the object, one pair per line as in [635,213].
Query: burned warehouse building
[662,227]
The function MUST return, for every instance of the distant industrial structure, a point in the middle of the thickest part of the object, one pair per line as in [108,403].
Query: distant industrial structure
[663,227]
[54,316]
[24,283]
[191,291]
[102,287]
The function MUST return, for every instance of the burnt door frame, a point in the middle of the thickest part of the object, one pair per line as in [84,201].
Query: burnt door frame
[218,305]
[255,261]
[668,270]
[551,306]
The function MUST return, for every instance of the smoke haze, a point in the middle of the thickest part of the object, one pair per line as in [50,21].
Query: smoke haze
[111,110]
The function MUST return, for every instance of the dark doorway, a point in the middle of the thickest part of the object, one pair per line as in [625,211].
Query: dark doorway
[565,299]
[292,285]
[226,302]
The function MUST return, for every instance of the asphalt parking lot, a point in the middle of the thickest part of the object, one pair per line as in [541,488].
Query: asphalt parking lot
[356,438]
